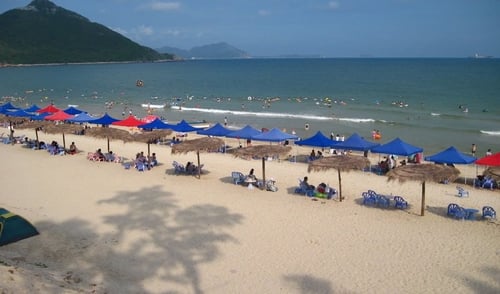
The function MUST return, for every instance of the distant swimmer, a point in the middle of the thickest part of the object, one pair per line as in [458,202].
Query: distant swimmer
[139,83]
[306,127]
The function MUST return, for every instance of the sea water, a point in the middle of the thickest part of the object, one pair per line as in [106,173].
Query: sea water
[431,103]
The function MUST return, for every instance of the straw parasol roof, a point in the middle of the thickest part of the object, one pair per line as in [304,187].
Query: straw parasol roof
[62,129]
[262,151]
[493,172]
[36,125]
[109,133]
[340,163]
[151,137]
[206,144]
[423,173]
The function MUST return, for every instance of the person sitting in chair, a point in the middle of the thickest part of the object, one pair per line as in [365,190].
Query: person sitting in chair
[306,184]
[190,167]
[72,148]
[251,176]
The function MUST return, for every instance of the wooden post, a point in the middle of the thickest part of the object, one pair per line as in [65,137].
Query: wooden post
[422,209]
[340,186]
[108,143]
[199,168]
[263,173]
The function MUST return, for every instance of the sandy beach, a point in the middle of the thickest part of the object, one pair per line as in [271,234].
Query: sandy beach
[106,229]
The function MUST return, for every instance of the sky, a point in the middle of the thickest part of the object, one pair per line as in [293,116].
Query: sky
[339,28]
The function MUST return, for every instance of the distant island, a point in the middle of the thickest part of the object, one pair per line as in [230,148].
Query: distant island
[44,33]
[219,50]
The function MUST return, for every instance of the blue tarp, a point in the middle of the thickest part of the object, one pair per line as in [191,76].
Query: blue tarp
[397,147]
[318,140]
[106,119]
[451,156]
[245,133]
[157,124]
[356,142]
[274,135]
[216,130]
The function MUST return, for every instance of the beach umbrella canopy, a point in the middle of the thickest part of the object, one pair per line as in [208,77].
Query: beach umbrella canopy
[262,151]
[35,124]
[216,130]
[105,120]
[149,118]
[109,133]
[184,127]
[130,121]
[60,115]
[491,160]
[206,144]
[73,110]
[397,147]
[40,116]
[32,108]
[356,142]
[82,118]
[151,137]
[274,135]
[156,124]
[340,163]
[49,108]
[18,113]
[318,140]
[246,132]
[8,106]
[422,173]
[451,156]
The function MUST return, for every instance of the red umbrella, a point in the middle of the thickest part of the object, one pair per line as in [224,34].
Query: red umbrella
[60,115]
[130,121]
[491,160]
[49,108]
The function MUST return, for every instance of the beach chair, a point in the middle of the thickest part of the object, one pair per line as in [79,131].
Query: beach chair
[178,168]
[238,177]
[400,202]
[488,183]
[452,208]
[489,213]
[303,190]
[462,192]
[383,201]
[369,199]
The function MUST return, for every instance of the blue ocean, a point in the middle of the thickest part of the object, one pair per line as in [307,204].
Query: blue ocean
[431,103]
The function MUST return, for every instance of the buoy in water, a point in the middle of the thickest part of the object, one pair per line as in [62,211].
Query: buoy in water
[139,83]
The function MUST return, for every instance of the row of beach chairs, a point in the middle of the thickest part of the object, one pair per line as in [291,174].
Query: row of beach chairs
[372,198]
[459,212]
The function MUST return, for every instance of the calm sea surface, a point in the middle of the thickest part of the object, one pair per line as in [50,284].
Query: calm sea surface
[431,103]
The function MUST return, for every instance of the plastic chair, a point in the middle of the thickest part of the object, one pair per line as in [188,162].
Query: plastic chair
[489,213]
[178,168]
[452,208]
[303,190]
[488,183]
[383,201]
[400,202]
[462,192]
[369,199]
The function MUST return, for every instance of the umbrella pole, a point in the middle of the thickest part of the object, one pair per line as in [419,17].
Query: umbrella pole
[199,169]
[263,172]
[108,143]
[340,186]
[36,134]
[64,141]
[422,209]
[149,151]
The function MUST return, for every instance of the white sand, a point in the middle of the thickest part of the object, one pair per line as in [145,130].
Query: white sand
[104,229]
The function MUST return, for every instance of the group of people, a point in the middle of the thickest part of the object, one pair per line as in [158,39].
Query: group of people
[142,161]
[322,190]
[269,185]
[315,155]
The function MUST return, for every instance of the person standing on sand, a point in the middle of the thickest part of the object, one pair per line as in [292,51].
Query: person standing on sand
[473,149]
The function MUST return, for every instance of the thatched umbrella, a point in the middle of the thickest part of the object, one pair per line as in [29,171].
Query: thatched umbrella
[492,172]
[109,133]
[423,173]
[36,125]
[207,144]
[262,151]
[340,163]
[62,128]
[151,136]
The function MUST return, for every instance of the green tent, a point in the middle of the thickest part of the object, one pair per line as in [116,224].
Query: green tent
[14,228]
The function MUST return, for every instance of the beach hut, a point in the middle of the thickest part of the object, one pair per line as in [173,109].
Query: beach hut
[423,173]
[340,163]
[207,144]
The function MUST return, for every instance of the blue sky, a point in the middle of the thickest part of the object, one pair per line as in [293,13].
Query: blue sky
[340,28]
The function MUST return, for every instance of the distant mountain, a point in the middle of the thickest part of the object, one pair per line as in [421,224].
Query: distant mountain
[43,32]
[213,51]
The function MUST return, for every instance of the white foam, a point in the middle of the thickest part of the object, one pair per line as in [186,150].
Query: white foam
[493,133]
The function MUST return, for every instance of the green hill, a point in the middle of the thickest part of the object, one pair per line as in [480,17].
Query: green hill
[43,32]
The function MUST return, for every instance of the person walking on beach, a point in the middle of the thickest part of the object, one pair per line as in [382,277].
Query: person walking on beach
[473,149]
[225,121]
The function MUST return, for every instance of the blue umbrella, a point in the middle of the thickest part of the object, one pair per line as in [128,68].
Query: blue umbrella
[274,135]
[72,110]
[451,156]
[397,147]
[8,106]
[18,113]
[246,133]
[318,140]
[106,119]
[82,118]
[356,142]
[216,130]
[184,127]
[40,116]
[157,124]
[32,108]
